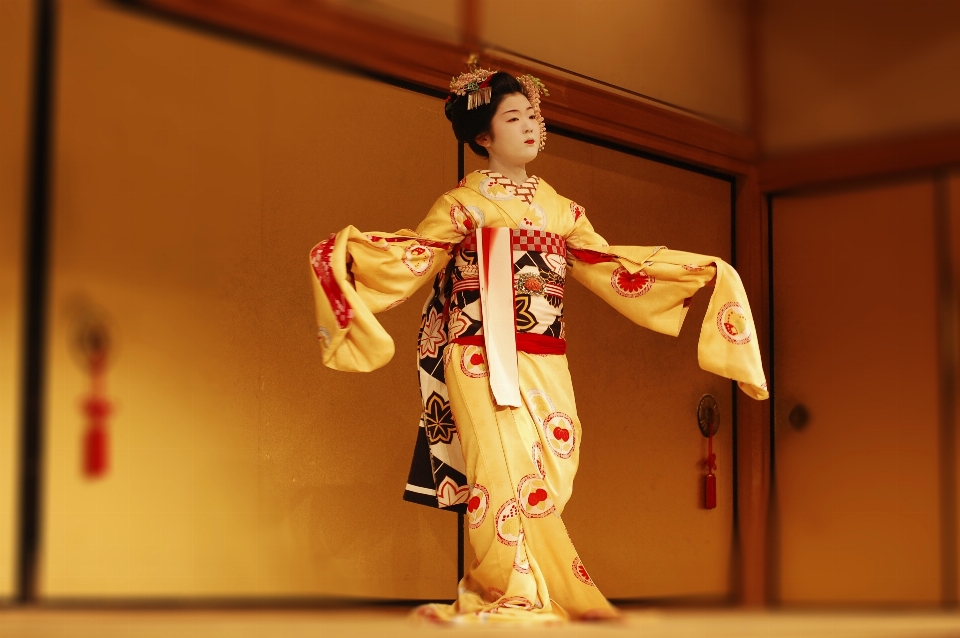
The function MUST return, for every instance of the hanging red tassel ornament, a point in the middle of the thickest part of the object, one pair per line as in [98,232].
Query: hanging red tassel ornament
[710,480]
[97,409]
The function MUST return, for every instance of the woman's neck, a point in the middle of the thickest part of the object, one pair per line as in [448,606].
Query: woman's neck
[516,173]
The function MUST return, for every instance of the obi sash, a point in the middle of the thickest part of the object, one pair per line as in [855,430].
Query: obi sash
[503,291]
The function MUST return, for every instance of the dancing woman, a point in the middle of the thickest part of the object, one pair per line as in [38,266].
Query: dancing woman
[499,436]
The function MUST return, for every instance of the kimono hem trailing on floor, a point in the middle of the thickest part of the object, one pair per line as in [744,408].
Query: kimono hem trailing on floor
[506,454]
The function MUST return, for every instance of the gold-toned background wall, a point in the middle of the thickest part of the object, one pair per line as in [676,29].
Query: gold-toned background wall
[841,72]
[16,31]
[689,53]
[193,174]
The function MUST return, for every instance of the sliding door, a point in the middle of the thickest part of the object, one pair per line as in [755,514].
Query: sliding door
[193,174]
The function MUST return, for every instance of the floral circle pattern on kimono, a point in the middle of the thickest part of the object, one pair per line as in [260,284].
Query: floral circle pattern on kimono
[732,323]
[508,523]
[540,405]
[577,210]
[473,363]
[581,572]
[535,501]
[560,433]
[535,219]
[627,285]
[496,191]
[466,219]
[493,594]
[477,505]
[417,259]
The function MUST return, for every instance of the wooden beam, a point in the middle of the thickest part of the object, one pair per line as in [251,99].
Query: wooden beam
[470,22]
[860,161]
[383,48]
[753,417]
[754,72]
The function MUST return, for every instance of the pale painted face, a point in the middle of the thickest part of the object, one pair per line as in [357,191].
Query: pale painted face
[514,135]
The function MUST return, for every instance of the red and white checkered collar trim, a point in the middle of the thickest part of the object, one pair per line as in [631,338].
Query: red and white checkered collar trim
[526,191]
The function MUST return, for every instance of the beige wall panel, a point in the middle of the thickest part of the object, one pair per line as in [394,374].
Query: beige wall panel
[690,53]
[840,72]
[636,515]
[16,41]
[193,176]
[855,342]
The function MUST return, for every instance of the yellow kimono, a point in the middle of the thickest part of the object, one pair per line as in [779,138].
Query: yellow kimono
[509,463]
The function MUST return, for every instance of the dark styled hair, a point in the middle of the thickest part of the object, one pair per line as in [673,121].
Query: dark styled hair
[467,125]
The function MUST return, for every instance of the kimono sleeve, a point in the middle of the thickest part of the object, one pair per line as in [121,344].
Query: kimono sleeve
[653,285]
[356,275]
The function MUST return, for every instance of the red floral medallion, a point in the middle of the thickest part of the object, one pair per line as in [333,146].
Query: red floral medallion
[418,259]
[627,285]
[473,362]
[581,572]
[535,501]
[560,434]
[477,505]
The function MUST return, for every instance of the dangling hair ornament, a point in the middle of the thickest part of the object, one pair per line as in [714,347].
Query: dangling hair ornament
[533,87]
[475,84]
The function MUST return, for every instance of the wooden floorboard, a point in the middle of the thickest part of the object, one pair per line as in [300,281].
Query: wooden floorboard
[396,623]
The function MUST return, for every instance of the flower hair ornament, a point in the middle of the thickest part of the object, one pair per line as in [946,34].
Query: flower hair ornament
[475,84]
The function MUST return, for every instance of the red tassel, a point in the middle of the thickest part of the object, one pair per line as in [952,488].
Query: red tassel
[96,439]
[710,491]
[95,450]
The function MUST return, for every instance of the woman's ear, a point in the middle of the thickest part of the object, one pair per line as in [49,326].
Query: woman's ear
[484,140]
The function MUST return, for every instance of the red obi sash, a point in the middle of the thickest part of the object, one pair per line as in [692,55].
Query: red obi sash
[526,342]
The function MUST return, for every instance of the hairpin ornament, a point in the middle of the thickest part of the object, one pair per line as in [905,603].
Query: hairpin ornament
[475,84]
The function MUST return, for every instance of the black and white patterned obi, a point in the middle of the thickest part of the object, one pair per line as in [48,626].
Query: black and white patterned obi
[438,473]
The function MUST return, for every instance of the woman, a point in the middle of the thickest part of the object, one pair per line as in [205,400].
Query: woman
[499,436]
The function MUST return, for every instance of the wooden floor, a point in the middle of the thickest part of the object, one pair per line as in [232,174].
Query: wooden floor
[395,623]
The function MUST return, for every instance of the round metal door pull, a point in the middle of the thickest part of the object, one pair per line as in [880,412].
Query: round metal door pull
[799,416]
[708,415]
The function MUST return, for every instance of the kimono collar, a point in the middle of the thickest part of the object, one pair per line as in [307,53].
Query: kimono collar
[525,191]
